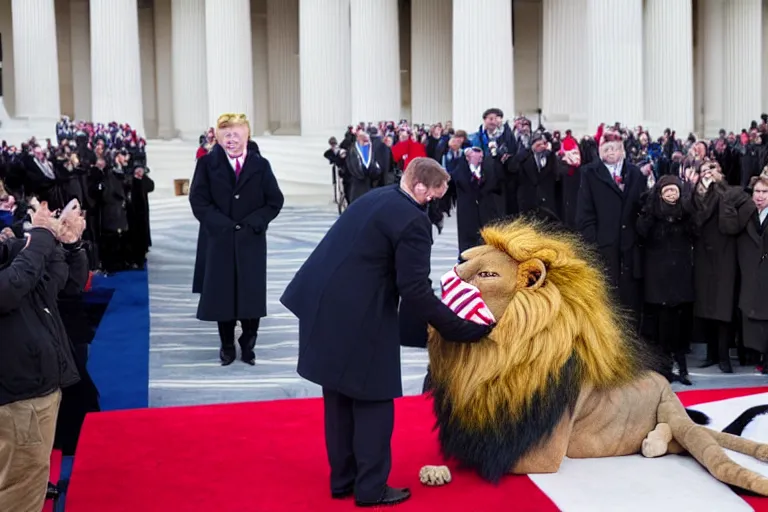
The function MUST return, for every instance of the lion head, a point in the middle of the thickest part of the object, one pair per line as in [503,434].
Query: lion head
[558,330]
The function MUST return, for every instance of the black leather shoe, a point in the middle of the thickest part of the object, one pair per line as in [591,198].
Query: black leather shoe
[684,380]
[52,493]
[247,344]
[227,355]
[340,495]
[725,367]
[390,496]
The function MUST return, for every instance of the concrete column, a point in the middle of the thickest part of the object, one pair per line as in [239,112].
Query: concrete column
[668,26]
[765,57]
[260,54]
[742,73]
[148,69]
[325,70]
[375,60]
[564,90]
[81,58]
[712,40]
[190,81]
[483,64]
[283,62]
[615,71]
[431,61]
[229,60]
[35,57]
[163,69]
[115,63]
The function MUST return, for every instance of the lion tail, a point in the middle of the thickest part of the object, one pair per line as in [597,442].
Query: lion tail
[698,417]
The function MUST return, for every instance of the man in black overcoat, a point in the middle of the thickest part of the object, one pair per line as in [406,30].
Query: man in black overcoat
[235,196]
[538,179]
[607,211]
[346,299]
[478,189]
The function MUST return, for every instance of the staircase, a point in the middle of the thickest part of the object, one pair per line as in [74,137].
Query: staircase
[303,174]
[15,131]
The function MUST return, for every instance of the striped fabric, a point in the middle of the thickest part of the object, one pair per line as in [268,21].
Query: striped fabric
[464,299]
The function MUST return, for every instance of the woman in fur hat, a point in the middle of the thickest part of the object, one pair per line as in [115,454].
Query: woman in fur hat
[667,230]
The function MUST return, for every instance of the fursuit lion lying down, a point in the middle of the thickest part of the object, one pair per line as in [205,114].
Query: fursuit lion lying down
[560,375]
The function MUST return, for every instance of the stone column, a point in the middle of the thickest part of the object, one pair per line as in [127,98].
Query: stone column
[283,63]
[431,61]
[668,80]
[742,73]
[615,71]
[115,63]
[81,58]
[36,60]
[325,70]
[765,57]
[164,68]
[563,91]
[190,82]
[712,40]
[230,66]
[483,63]
[375,60]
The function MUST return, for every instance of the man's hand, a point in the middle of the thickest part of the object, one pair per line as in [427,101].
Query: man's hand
[7,234]
[43,218]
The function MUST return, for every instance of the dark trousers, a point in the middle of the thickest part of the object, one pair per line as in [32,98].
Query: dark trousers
[227,330]
[357,438]
[718,337]
[112,251]
[674,331]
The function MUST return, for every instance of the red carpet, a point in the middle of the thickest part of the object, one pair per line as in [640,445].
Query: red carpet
[270,457]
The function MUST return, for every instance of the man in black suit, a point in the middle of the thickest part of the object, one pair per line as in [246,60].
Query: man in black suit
[346,298]
[607,210]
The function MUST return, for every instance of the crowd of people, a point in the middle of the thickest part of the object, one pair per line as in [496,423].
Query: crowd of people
[67,210]
[104,167]
[670,219]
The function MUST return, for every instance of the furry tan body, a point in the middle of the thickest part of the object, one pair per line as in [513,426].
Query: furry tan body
[553,308]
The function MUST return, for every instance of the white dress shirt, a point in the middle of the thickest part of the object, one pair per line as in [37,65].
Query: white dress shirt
[233,161]
[763,214]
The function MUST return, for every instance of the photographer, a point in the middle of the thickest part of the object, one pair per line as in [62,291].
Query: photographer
[36,358]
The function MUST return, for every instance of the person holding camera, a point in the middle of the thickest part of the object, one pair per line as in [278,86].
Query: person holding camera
[499,146]
[36,357]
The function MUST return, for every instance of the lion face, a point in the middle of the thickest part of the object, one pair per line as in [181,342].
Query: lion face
[498,276]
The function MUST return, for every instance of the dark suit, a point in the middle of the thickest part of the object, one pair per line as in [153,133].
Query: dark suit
[606,217]
[346,297]
[537,187]
[478,202]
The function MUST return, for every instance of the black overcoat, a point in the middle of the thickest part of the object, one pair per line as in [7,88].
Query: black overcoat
[346,295]
[231,264]
[477,202]
[714,263]
[537,188]
[752,247]
[606,218]
[667,235]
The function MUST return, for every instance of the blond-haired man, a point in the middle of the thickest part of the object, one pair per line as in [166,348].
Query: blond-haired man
[235,196]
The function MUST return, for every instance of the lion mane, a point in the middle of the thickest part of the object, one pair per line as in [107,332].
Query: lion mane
[496,399]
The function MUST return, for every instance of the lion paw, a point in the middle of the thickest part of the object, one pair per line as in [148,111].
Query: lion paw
[654,447]
[435,475]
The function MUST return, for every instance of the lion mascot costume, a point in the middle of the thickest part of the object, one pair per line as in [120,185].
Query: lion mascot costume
[560,375]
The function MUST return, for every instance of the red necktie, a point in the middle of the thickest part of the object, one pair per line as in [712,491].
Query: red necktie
[237,168]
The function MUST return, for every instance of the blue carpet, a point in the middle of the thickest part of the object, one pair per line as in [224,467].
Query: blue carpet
[118,359]
[119,356]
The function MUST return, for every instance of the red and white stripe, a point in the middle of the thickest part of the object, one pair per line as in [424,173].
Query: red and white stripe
[464,299]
